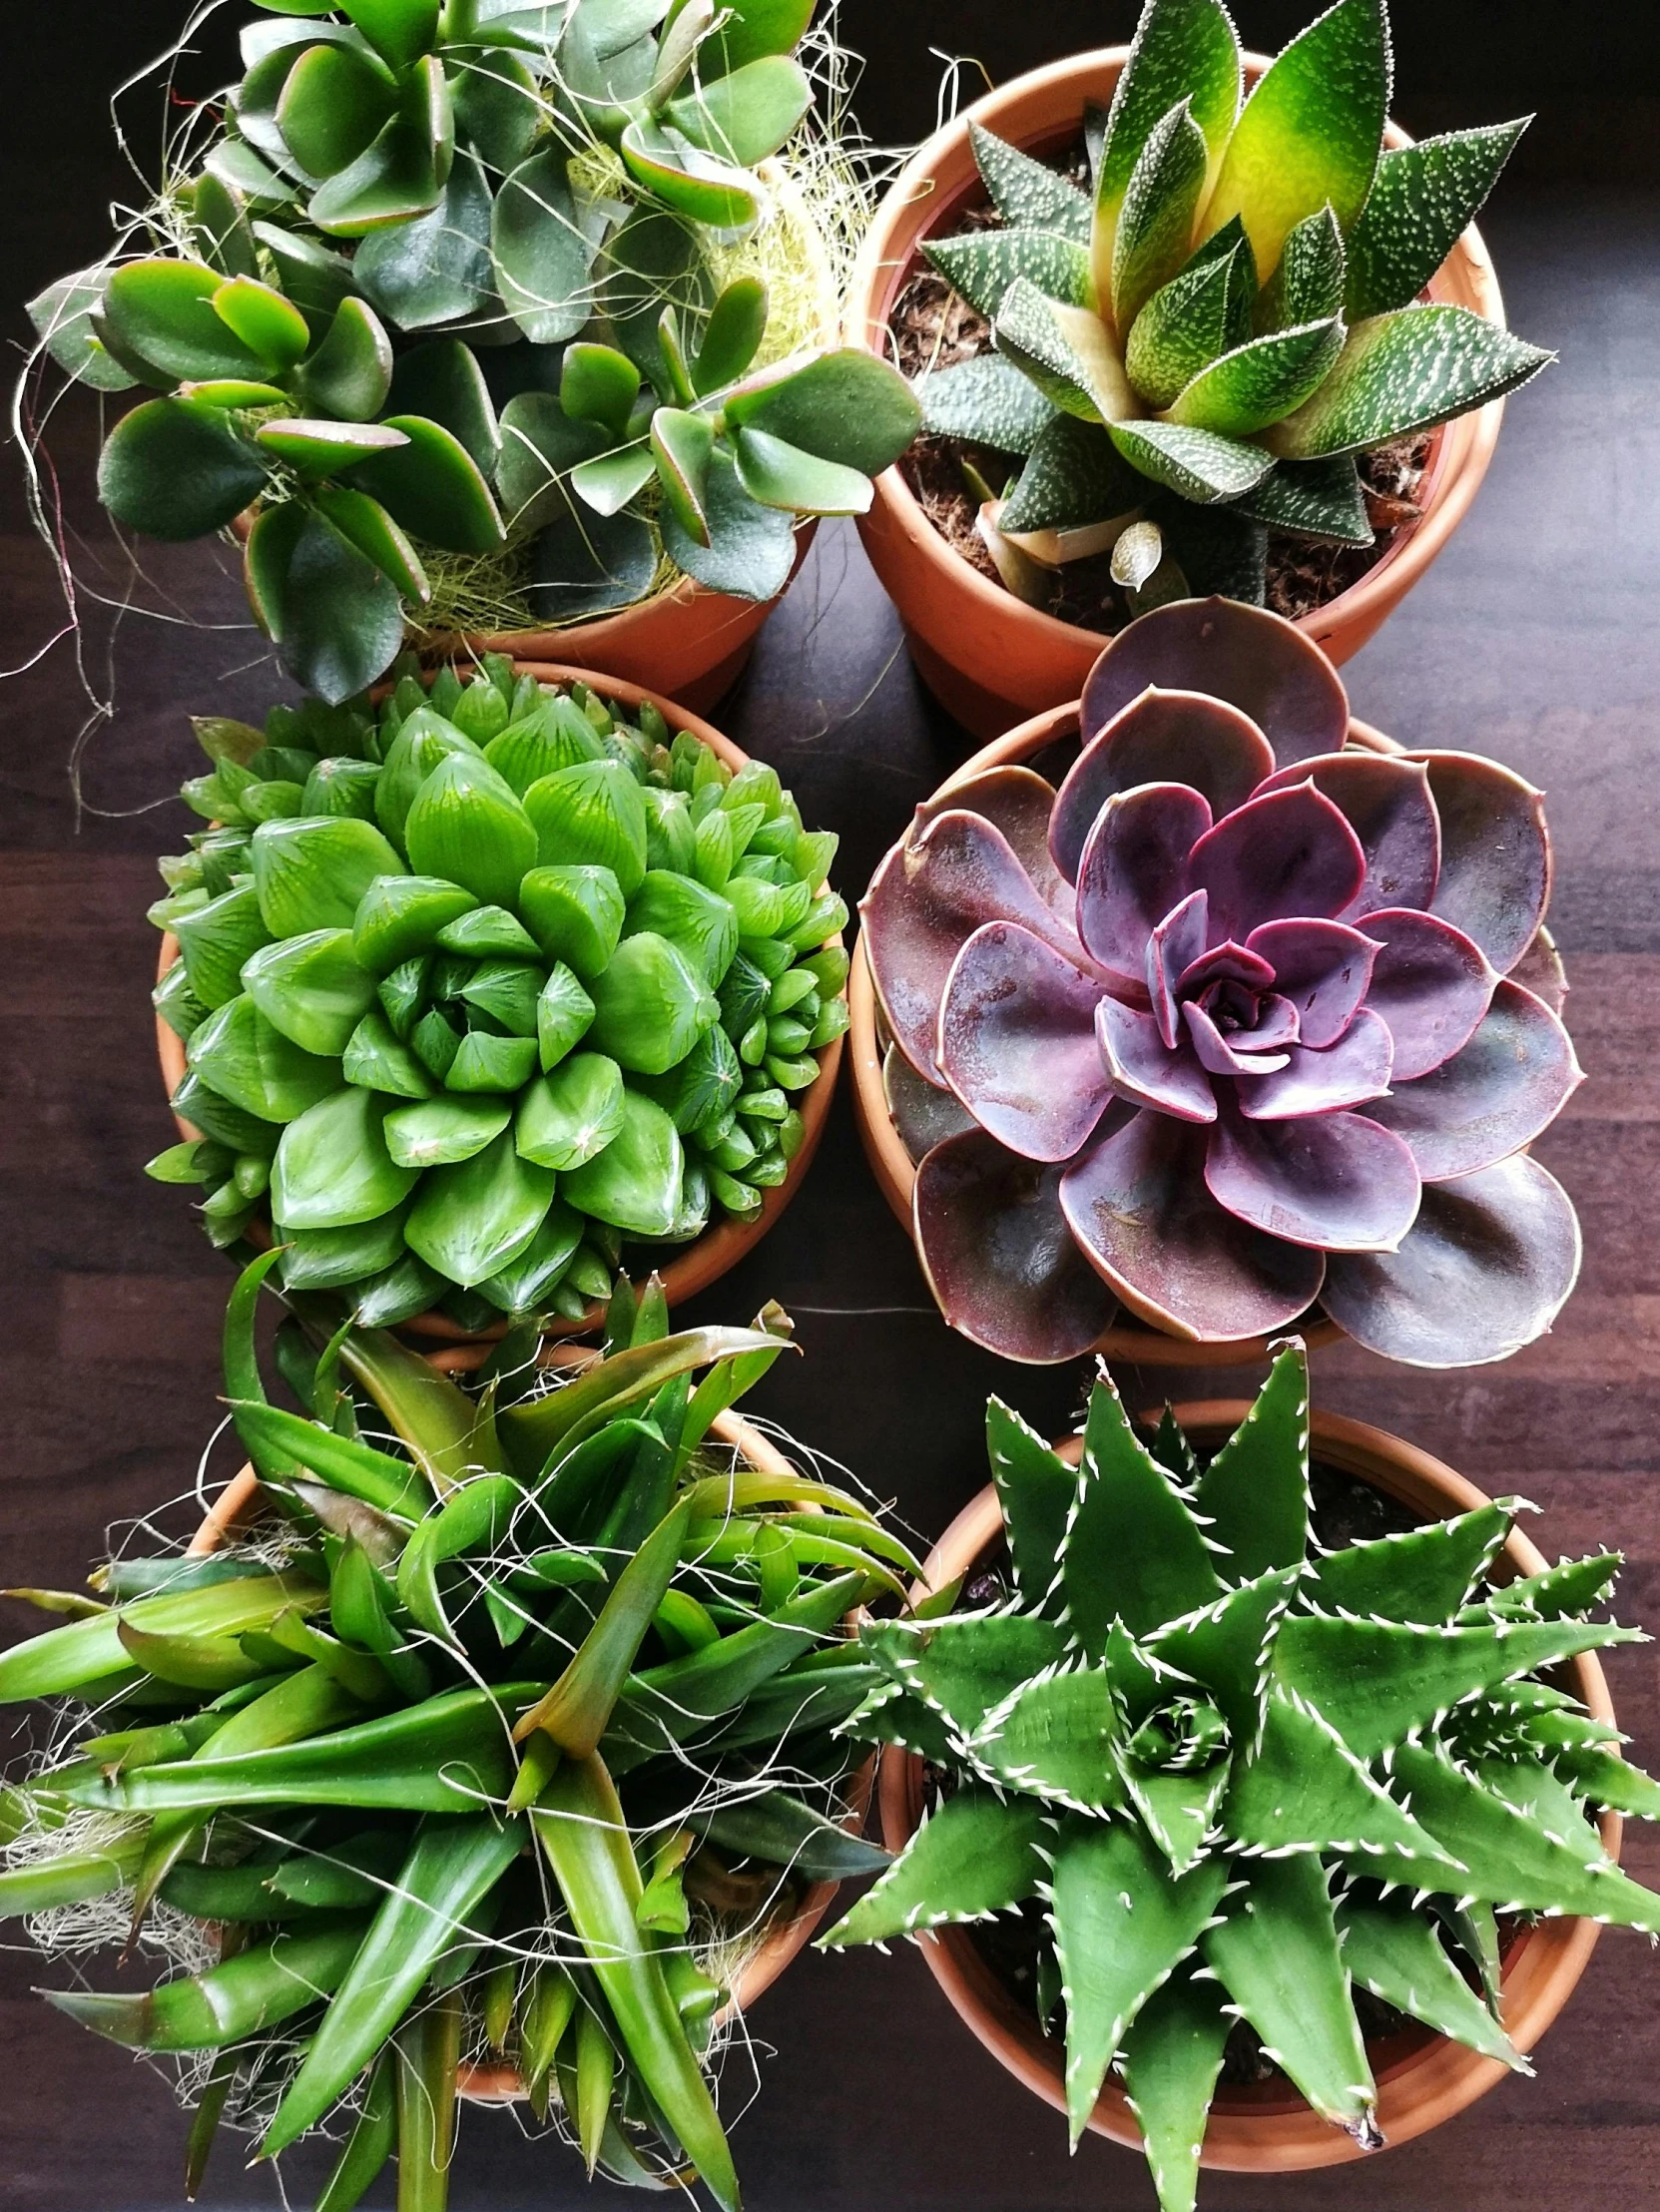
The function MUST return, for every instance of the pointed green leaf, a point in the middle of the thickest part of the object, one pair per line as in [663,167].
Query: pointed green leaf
[1375,1681]
[1177,1805]
[1182,50]
[1255,1492]
[576,909]
[1135,1552]
[635,1183]
[469,825]
[441,1131]
[1184,326]
[986,401]
[1197,464]
[1074,476]
[311,873]
[177,468]
[1310,283]
[1036,1490]
[1604,1779]
[1122,1925]
[1260,381]
[1424,1574]
[245,1996]
[66,1659]
[1318,499]
[1053,1737]
[217,939]
[981,264]
[1155,223]
[1028,194]
[1303,1789]
[1420,202]
[1227,1648]
[472,1218]
[333,1168]
[978,1854]
[1310,133]
[344,1463]
[1276,1954]
[1407,372]
[1572,1586]
[962,1666]
[1066,351]
[1172,2053]
[1395,1954]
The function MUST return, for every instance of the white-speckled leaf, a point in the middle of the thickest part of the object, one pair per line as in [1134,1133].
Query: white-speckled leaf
[1402,372]
[1028,194]
[983,264]
[1074,476]
[1420,202]
[1320,499]
[1260,381]
[1197,463]
[986,401]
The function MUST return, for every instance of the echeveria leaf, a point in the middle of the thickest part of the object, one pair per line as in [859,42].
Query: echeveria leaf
[1407,372]
[1420,202]
[332,1166]
[177,468]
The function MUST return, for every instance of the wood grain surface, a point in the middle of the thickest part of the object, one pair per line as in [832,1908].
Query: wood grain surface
[1535,639]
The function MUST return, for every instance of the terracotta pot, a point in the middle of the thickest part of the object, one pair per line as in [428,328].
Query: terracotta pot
[720,1248]
[501,2085]
[1423,2079]
[989,659]
[1129,1337]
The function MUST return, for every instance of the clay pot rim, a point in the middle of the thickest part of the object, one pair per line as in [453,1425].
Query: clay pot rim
[1129,1339]
[488,2084]
[1457,462]
[1423,2079]
[691,1268]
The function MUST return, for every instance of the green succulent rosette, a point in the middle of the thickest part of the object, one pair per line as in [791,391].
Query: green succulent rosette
[479,986]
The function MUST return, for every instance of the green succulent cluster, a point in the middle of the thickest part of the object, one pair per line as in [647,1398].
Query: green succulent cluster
[475,986]
[1241,1775]
[514,1737]
[1196,348]
[447,282]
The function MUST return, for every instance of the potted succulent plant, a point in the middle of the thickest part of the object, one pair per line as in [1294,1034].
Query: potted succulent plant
[466,988]
[1174,325]
[502,1737]
[1264,1778]
[490,321]
[1227,1029]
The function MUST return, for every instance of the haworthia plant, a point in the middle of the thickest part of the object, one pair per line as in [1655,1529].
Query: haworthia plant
[519,1762]
[447,284]
[1240,1776]
[476,984]
[1195,350]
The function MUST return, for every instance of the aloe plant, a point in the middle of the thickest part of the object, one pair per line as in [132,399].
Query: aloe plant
[1236,1021]
[479,984]
[446,280]
[1238,1775]
[1195,350]
[503,1735]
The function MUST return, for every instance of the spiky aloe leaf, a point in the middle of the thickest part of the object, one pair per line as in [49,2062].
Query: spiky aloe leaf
[1602,1778]
[1172,2055]
[983,264]
[1420,201]
[1307,286]
[1260,381]
[1377,1681]
[986,401]
[1226,1649]
[1396,1955]
[1195,464]
[1318,499]
[1176,1806]
[1420,1574]
[1572,1586]
[1036,1490]
[1155,223]
[1305,1790]
[1028,194]
[1184,326]
[890,1715]
[1310,133]
[1276,1952]
[1065,350]
[1134,1551]
[1172,1451]
[1404,373]
[1472,1926]
[964,1666]
[1073,476]
[1122,1925]
[1511,1861]
[978,1854]
[1054,1737]
[1183,49]
[1255,1492]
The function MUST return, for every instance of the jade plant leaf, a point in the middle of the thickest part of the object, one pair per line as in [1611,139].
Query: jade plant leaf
[543,257]
[334,103]
[750,548]
[161,312]
[436,267]
[350,373]
[336,618]
[433,487]
[179,468]
[746,114]
[589,564]
[62,318]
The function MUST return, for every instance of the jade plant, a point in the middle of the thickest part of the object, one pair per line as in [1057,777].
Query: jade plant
[1231,1775]
[450,282]
[497,1732]
[1197,346]
[479,984]
[1231,1024]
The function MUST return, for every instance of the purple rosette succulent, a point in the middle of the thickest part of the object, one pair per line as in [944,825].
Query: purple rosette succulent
[1230,1027]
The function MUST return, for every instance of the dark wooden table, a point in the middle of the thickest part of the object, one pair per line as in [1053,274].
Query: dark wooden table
[1535,639]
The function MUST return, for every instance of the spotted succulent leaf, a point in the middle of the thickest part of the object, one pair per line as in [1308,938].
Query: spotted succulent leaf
[1307,286]
[1155,223]
[1195,464]
[1318,499]
[1184,326]
[1074,476]
[1260,381]
[1028,194]
[1420,202]
[982,266]
[978,1854]
[986,402]
[1402,372]
[1183,49]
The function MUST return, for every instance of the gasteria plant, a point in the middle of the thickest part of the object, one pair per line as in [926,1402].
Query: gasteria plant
[413,220]
[1200,344]
[512,1737]
[1238,1775]
[1230,1024]
[479,984]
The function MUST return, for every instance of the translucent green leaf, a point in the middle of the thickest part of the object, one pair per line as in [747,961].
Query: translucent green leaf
[239,1053]
[700,925]
[650,1005]
[576,909]
[746,114]
[543,257]
[375,1059]
[472,1218]
[1122,1922]
[563,1013]
[333,1168]
[436,267]
[311,988]
[525,1282]
[467,825]
[350,373]
[1395,1954]
[1135,1552]
[217,939]
[491,1064]
[311,874]
[1421,200]
[334,102]
[1277,1956]
[328,1259]
[978,1854]
[1318,499]
[1155,222]
[1407,372]
[177,468]
[1311,131]
[570,1115]
[986,401]
[1255,1492]
[1197,464]
[1182,50]
[441,1131]
[589,815]
[399,914]
[1028,194]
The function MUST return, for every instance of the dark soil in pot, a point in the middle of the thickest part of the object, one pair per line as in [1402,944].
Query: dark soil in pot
[934,328]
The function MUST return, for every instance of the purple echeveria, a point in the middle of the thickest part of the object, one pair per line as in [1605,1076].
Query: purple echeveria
[1227,1026]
